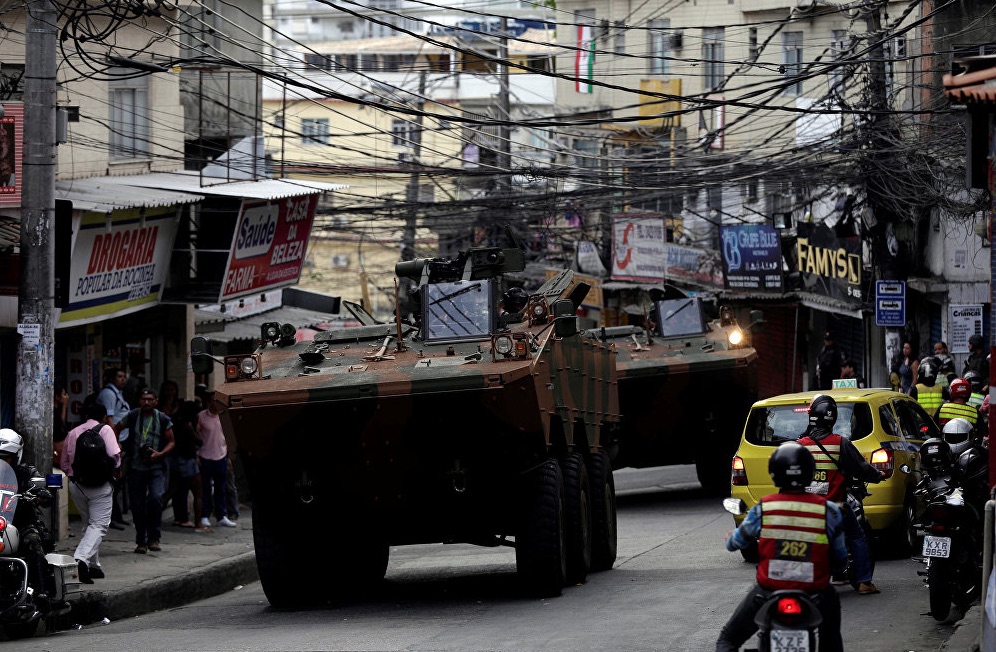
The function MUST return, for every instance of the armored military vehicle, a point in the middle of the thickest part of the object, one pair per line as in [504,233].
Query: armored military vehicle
[686,384]
[470,424]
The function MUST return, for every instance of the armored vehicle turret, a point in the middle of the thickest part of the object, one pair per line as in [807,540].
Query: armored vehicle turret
[468,424]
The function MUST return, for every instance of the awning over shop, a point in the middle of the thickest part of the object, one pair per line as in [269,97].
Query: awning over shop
[106,194]
[826,304]
[976,84]
[192,182]
[217,327]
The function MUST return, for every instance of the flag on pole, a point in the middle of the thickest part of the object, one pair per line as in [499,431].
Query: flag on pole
[584,60]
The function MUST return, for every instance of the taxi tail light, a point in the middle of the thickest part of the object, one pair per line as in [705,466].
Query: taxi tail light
[884,459]
[739,474]
[789,610]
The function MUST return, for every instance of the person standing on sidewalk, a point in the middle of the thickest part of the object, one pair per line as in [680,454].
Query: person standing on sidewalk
[150,442]
[92,500]
[113,400]
[214,464]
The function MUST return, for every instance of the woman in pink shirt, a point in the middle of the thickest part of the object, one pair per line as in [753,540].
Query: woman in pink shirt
[214,464]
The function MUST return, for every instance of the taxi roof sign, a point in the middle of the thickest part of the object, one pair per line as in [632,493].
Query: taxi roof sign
[845,383]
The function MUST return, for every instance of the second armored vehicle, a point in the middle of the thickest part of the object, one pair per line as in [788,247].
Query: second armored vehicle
[686,384]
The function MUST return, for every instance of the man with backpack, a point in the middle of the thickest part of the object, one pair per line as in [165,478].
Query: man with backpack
[90,458]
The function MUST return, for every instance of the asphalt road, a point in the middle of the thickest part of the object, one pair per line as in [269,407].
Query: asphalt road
[672,588]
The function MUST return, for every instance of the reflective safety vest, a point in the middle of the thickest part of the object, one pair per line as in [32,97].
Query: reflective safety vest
[952,410]
[929,398]
[828,480]
[976,399]
[793,546]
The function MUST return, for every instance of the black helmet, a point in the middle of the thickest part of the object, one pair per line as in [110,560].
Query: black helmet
[958,435]
[928,371]
[514,299]
[974,379]
[936,457]
[823,411]
[791,465]
[976,342]
[972,468]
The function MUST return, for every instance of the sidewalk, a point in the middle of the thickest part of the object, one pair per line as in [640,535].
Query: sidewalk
[191,566]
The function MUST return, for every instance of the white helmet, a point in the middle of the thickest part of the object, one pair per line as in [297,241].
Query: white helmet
[957,433]
[11,442]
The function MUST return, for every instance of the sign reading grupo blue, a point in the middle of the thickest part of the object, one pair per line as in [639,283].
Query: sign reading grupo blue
[752,257]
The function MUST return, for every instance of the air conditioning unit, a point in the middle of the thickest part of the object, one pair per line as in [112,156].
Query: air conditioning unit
[340,260]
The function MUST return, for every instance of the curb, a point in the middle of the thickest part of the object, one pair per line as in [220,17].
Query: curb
[166,593]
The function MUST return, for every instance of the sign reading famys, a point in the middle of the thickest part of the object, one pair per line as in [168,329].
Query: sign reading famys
[638,248]
[830,265]
[120,269]
[269,245]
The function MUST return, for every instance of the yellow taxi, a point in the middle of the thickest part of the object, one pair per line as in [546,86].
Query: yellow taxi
[886,427]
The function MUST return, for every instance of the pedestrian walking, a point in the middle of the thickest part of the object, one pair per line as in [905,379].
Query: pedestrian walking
[908,368]
[149,445]
[90,487]
[185,472]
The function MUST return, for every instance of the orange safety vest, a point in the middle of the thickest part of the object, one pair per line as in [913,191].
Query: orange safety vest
[794,547]
[952,410]
[828,480]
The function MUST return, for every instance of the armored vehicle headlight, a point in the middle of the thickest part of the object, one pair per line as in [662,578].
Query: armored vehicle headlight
[503,345]
[248,366]
[736,337]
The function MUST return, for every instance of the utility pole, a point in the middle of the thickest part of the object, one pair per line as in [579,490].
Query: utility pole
[503,181]
[411,195]
[36,295]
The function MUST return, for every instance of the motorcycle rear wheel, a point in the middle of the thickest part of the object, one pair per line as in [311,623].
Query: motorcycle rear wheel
[16,631]
[939,585]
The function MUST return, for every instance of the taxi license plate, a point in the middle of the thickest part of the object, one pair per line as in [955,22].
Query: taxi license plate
[937,547]
[789,640]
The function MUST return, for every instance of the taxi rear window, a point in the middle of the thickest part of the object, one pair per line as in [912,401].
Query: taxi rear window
[773,425]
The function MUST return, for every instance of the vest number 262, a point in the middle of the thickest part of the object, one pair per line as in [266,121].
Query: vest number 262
[793,549]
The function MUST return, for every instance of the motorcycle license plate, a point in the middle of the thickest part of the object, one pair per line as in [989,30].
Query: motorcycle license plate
[789,640]
[937,547]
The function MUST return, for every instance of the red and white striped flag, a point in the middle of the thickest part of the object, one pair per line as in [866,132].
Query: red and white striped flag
[584,60]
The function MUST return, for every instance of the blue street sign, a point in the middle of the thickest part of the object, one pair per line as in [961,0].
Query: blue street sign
[890,303]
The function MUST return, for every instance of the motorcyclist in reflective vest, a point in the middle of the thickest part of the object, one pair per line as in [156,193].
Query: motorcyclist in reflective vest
[837,463]
[978,385]
[927,392]
[800,541]
[958,406]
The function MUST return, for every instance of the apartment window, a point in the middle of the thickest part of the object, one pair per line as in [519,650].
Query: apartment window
[315,131]
[586,154]
[402,133]
[317,62]
[659,46]
[714,199]
[792,62]
[346,62]
[840,48]
[129,118]
[619,37]
[712,57]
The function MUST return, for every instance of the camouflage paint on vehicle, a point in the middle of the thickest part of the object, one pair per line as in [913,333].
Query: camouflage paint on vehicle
[416,441]
[683,397]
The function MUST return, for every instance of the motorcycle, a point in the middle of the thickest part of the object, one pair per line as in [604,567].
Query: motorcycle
[789,619]
[951,549]
[20,611]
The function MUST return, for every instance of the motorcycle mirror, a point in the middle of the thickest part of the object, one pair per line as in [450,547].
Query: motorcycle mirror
[735,506]
[905,468]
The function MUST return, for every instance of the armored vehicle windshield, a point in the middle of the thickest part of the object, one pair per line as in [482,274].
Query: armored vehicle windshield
[461,310]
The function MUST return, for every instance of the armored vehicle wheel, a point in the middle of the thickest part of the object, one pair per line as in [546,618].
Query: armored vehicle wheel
[603,512]
[289,579]
[578,496]
[540,543]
